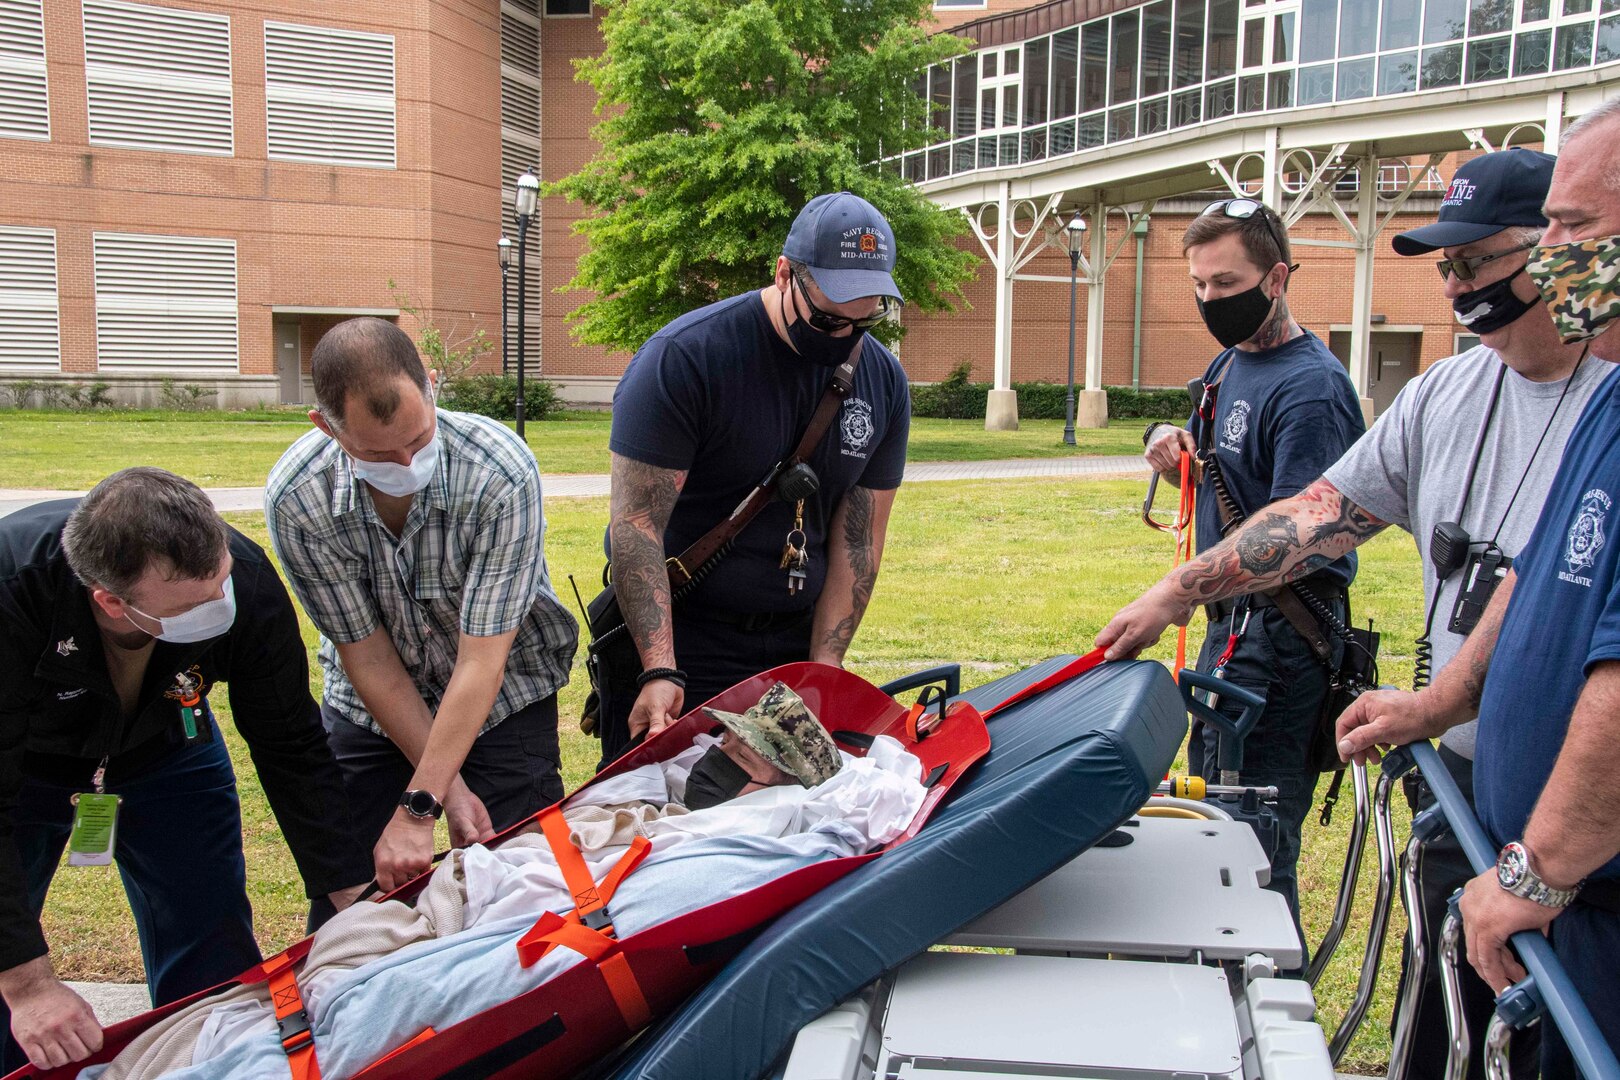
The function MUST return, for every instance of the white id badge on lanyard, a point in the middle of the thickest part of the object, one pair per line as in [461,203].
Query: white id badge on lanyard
[95,829]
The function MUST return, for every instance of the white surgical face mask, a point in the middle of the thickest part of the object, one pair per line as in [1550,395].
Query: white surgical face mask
[392,478]
[207,620]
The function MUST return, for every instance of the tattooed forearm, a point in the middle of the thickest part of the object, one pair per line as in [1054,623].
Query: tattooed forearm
[642,499]
[1265,542]
[1349,520]
[859,549]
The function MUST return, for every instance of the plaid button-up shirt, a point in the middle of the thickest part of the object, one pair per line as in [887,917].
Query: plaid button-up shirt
[470,560]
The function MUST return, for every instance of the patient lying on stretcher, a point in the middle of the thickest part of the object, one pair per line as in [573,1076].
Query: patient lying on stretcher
[724,816]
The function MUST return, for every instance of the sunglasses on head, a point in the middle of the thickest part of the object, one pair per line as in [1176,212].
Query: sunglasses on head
[1243,210]
[1468,269]
[828,323]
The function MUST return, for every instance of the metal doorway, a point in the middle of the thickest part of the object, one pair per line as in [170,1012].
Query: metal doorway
[289,365]
[1392,363]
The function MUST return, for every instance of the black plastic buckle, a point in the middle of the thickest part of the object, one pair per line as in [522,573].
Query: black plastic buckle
[598,920]
[295,1033]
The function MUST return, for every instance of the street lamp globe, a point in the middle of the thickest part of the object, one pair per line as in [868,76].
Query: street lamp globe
[527,195]
[1076,228]
[503,249]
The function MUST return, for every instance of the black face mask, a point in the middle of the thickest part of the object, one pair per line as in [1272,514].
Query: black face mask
[819,348]
[714,779]
[1237,318]
[1489,308]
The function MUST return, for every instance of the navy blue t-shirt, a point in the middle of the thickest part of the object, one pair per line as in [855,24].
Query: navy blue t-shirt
[1282,416]
[1563,618]
[719,394]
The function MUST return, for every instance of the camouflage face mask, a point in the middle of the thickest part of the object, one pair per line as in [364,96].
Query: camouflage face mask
[1579,281]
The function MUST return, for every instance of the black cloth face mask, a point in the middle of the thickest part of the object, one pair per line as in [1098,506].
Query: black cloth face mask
[1237,318]
[1489,308]
[819,348]
[714,779]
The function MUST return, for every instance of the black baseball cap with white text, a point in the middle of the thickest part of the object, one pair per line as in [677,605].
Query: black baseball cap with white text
[1492,192]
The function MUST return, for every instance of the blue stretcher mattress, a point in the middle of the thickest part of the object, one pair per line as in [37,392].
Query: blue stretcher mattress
[1065,769]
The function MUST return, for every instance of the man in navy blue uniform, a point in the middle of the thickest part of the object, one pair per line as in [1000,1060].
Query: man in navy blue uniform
[1277,410]
[707,407]
[1542,669]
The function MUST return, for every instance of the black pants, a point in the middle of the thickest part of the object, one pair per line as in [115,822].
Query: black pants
[716,655]
[512,767]
[1445,870]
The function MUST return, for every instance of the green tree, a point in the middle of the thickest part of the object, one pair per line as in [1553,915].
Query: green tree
[721,119]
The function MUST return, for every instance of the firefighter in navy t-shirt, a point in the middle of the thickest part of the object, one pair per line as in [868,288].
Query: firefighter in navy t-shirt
[708,405]
[1282,410]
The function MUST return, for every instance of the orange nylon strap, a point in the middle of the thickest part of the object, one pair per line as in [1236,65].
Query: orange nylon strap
[292,1020]
[588,929]
[1186,530]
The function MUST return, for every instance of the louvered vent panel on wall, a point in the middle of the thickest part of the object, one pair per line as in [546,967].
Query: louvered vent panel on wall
[158,78]
[25,111]
[165,303]
[520,151]
[28,303]
[329,95]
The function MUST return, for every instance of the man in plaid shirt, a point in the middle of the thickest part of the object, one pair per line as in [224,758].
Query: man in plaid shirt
[414,539]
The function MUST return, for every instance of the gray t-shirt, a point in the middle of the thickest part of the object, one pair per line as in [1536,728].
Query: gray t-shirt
[1410,468]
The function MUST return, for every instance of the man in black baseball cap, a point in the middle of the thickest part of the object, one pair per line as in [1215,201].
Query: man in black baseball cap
[707,407]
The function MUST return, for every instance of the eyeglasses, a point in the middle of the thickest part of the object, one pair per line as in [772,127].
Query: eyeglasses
[1243,210]
[1468,269]
[828,323]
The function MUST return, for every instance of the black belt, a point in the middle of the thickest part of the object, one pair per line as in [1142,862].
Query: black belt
[1220,609]
[752,622]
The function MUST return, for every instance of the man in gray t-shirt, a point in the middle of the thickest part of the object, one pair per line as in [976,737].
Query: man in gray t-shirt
[1413,467]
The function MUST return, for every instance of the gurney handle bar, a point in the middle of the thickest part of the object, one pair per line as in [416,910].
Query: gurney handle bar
[949,674]
[1550,982]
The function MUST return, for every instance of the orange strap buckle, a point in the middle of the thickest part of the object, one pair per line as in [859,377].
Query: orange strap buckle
[292,1019]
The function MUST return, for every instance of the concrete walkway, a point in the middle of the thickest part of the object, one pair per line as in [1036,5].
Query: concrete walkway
[587,485]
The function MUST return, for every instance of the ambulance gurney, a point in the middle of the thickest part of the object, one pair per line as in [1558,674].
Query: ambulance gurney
[1545,991]
[1065,769]
[593,1004]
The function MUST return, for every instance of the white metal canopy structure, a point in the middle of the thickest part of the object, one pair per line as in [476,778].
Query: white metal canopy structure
[1075,108]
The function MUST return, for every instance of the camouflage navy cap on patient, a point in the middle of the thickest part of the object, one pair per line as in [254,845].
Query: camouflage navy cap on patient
[783,731]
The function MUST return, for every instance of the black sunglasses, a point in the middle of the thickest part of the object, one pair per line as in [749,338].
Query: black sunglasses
[1467,269]
[1243,210]
[828,323]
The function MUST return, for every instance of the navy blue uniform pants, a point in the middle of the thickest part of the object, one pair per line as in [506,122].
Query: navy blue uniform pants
[1273,660]
[179,853]
[1587,940]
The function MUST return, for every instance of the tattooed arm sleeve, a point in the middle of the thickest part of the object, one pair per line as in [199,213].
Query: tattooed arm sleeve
[642,499]
[854,549]
[1282,543]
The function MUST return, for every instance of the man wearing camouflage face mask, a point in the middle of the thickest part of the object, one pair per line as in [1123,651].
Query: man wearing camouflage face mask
[1542,669]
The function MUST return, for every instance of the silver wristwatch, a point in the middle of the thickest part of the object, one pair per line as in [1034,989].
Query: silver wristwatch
[1514,874]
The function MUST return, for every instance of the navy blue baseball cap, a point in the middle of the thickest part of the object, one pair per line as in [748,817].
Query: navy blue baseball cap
[1493,192]
[847,245]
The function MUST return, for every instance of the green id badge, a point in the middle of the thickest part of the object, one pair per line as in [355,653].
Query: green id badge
[95,829]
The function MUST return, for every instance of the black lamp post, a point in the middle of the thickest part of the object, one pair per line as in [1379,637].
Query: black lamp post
[523,202]
[1076,228]
[503,249]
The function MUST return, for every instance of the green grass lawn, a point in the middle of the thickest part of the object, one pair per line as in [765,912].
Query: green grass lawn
[73,450]
[994,574]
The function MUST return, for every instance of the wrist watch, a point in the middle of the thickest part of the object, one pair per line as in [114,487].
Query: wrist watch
[1514,874]
[421,803]
[1147,432]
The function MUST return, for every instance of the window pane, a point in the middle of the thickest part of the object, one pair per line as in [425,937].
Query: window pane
[1222,36]
[1009,106]
[1443,20]
[1254,43]
[1091,131]
[1062,141]
[963,161]
[1316,84]
[1572,47]
[967,92]
[1490,17]
[1441,67]
[1608,6]
[1011,63]
[1358,28]
[1009,149]
[915,168]
[1189,42]
[1156,47]
[1093,65]
[1127,31]
[1187,108]
[1397,73]
[1035,144]
[1400,27]
[1535,10]
[1065,72]
[1608,40]
[1035,76]
[1535,53]
[1282,39]
[987,109]
[987,153]
[940,97]
[1280,92]
[1577,7]
[1220,100]
[1252,93]
[1155,116]
[1355,80]
[1488,60]
[1122,124]
[939,162]
[990,60]
[1318,29]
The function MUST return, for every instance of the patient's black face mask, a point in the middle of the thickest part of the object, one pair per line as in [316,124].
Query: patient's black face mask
[714,779]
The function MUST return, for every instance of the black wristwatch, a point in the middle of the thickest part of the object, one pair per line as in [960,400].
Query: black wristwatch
[1147,432]
[422,804]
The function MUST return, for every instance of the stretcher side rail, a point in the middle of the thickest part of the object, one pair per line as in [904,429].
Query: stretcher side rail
[1547,984]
